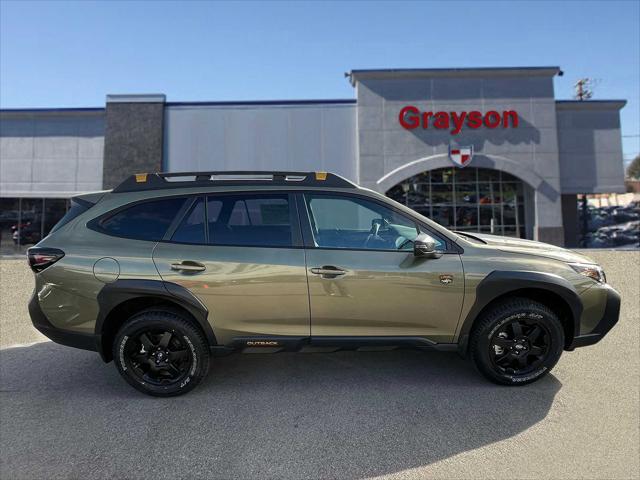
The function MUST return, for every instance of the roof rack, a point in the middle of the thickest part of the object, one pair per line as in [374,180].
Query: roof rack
[160,181]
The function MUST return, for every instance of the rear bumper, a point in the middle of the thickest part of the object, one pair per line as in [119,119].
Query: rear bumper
[609,319]
[85,341]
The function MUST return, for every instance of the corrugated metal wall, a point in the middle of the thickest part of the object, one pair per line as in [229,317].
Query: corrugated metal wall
[56,154]
[262,137]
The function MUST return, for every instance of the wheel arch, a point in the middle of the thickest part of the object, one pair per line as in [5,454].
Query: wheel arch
[551,290]
[119,300]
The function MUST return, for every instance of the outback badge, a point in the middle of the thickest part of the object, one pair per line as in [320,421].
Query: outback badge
[262,343]
[446,279]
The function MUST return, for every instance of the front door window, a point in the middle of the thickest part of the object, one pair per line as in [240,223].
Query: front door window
[356,223]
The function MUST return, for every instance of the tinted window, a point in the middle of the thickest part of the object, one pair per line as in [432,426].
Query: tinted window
[249,220]
[356,223]
[191,229]
[143,221]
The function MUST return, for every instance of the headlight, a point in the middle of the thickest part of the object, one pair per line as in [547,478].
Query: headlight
[590,270]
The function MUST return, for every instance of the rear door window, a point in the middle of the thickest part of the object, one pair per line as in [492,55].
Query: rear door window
[262,220]
[143,221]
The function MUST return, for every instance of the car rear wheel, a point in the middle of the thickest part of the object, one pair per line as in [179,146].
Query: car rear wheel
[517,342]
[161,353]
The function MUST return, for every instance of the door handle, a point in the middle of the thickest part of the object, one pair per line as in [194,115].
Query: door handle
[188,266]
[328,271]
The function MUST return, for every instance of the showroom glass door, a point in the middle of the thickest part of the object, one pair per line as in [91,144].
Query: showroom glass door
[469,199]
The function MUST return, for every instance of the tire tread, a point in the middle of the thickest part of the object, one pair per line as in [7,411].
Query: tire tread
[154,314]
[493,315]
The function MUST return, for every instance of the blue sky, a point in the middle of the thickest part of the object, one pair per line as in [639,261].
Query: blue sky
[70,54]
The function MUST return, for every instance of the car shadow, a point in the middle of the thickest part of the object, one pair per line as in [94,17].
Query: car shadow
[343,414]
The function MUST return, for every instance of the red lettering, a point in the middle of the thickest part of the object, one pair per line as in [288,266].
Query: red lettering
[409,117]
[425,119]
[492,123]
[509,114]
[442,120]
[474,119]
[458,121]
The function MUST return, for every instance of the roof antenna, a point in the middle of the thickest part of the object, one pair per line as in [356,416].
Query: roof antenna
[583,89]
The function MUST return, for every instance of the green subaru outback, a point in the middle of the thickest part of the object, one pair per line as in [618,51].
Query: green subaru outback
[167,271]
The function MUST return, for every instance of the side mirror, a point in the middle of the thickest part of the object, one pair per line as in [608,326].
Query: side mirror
[425,246]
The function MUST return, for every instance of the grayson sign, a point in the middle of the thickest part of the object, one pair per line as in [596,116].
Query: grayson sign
[411,117]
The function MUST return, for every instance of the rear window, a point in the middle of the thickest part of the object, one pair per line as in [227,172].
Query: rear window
[74,211]
[143,221]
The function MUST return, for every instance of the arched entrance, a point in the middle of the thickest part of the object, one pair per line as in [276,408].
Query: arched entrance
[470,199]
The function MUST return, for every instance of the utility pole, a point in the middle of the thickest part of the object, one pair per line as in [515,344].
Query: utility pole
[583,89]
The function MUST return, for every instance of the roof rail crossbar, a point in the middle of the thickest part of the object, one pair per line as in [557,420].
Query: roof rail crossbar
[165,180]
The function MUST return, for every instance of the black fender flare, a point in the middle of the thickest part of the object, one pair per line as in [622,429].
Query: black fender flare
[115,293]
[499,283]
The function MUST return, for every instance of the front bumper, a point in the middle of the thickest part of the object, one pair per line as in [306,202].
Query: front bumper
[85,341]
[609,319]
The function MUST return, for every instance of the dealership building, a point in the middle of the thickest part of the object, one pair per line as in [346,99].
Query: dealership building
[475,149]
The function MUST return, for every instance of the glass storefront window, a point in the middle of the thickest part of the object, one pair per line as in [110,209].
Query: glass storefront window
[423,177]
[31,228]
[472,199]
[9,220]
[442,175]
[466,194]
[486,193]
[467,217]
[26,221]
[467,175]
[488,215]
[441,194]
[443,215]
[486,175]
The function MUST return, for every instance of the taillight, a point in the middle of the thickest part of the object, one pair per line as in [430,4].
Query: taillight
[41,258]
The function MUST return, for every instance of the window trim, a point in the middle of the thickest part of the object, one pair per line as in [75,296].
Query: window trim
[181,217]
[95,223]
[307,231]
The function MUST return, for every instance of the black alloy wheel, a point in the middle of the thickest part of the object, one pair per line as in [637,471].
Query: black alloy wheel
[520,346]
[161,352]
[516,341]
[159,357]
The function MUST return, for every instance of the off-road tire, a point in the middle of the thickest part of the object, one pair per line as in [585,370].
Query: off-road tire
[500,320]
[185,336]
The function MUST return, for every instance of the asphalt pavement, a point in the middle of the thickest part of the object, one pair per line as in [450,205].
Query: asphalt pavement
[398,414]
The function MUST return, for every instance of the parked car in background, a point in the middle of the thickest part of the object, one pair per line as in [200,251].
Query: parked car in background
[610,226]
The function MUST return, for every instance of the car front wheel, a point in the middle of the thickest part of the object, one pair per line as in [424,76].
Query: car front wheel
[161,353]
[517,342]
